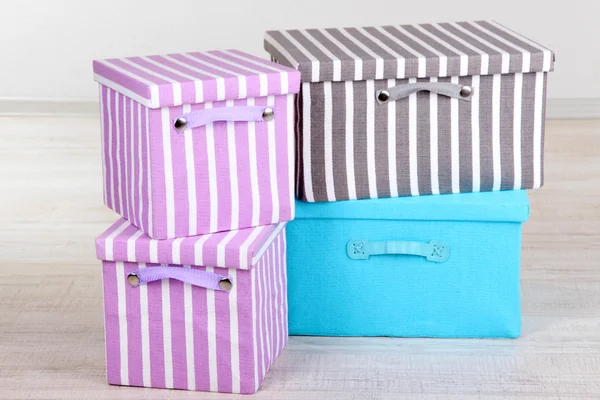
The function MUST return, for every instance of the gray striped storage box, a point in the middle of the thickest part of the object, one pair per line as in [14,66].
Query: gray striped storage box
[416,109]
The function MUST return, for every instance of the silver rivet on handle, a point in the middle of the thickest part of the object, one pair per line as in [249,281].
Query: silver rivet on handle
[268,114]
[383,96]
[180,124]
[133,280]
[466,91]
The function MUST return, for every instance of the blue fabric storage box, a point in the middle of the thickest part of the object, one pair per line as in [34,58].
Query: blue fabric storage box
[347,275]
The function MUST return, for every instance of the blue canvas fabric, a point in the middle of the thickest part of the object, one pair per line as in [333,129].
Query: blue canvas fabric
[474,293]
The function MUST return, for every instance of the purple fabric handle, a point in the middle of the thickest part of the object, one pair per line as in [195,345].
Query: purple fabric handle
[237,113]
[194,277]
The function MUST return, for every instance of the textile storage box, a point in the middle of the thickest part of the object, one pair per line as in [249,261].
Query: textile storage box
[217,323]
[187,137]
[429,266]
[416,109]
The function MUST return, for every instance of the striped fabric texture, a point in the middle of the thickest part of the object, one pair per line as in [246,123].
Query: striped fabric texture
[169,334]
[218,177]
[352,147]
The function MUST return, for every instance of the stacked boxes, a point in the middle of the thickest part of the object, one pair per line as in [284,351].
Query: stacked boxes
[410,148]
[415,110]
[198,160]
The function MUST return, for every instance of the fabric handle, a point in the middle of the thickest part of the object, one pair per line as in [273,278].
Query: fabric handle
[362,249]
[198,118]
[205,279]
[453,90]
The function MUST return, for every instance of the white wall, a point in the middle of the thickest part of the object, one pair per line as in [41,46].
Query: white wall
[47,46]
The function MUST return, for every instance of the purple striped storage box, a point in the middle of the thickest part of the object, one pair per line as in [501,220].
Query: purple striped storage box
[410,110]
[229,167]
[173,333]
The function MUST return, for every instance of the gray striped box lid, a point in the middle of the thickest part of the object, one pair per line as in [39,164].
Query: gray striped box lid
[407,51]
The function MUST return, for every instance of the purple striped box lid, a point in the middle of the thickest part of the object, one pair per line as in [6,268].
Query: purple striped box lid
[240,249]
[407,51]
[197,77]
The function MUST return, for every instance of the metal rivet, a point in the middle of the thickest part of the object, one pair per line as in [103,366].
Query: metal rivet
[466,91]
[180,124]
[225,284]
[133,280]
[383,96]
[268,114]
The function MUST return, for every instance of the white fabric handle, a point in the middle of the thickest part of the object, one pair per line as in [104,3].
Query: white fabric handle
[453,90]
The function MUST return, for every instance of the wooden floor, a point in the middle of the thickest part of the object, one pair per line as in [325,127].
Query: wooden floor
[51,327]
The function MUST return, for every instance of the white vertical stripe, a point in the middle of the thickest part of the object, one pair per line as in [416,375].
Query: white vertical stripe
[153,245]
[253,169]
[391,131]
[131,246]
[275,308]
[126,154]
[110,133]
[412,141]
[253,280]
[133,213]
[504,54]
[291,151]
[264,341]
[454,141]
[283,289]
[369,51]
[475,136]
[234,335]
[400,73]
[442,57]
[421,59]
[199,249]
[537,130]
[145,328]
[212,174]
[337,63]
[268,311]
[168,160]
[190,166]
[211,330]
[496,131]
[526,66]
[103,135]
[264,85]
[358,62]
[464,58]
[433,140]
[176,251]
[188,305]
[273,165]
[109,242]
[167,343]
[149,171]
[485,58]
[118,161]
[328,140]
[349,85]
[233,177]
[517,129]
[313,60]
[177,99]
[306,138]
[371,172]
[140,161]
[122,306]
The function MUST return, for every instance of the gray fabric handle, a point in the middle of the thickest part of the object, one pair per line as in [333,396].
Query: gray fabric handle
[453,90]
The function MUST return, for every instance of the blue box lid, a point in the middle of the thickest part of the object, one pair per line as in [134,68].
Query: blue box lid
[509,206]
